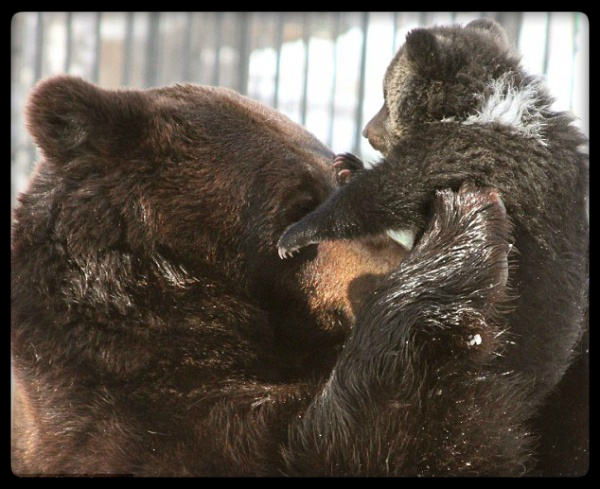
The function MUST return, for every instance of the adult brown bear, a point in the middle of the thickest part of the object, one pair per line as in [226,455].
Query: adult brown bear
[156,331]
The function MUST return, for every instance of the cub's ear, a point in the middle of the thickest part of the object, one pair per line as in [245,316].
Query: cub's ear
[423,51]
[494,28]
[69,117]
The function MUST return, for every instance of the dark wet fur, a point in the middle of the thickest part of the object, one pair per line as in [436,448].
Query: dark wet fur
[543,184]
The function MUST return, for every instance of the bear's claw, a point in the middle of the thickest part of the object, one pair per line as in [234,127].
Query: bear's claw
[286,253]
[346,164]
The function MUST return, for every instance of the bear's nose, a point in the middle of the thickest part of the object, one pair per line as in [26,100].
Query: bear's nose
[365,132]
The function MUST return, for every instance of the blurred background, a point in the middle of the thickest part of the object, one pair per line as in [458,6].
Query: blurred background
[322,69]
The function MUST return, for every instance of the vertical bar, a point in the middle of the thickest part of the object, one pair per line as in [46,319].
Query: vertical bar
[39,47]
[98,45]
[186,74]
[37,73]
[306,42]
[151,74]
[361,83]
[395,32]
[244,52]
[16,61]
[69,41]
[453,17]
[336,33]
[422,18]
[576,30]
[218,35]
[547,45]
[127,61]
[279,43]
[16,45]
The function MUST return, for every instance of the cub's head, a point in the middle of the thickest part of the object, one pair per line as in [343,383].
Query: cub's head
[448,74]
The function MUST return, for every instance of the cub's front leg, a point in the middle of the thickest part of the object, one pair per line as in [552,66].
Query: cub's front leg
[415,390]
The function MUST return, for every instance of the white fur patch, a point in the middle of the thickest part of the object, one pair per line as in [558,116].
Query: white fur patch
[404,237]
[515,107]
[474,340]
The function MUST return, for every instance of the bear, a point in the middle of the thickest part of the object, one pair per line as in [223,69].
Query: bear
[458,106]
[156,332]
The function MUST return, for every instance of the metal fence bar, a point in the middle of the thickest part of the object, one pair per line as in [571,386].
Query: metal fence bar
[69,41]
[547,45]
[186,66]
[244,52]
[152,40]
[16,50]
[16,47]
[37,73]
[218,35]
[306,44]
[97,46]
[361,83]
[576,29]
[279,43]
[395,31]
[127,57]
[335,34]
[39,46]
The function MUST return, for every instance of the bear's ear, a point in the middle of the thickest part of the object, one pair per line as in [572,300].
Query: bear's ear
[491,27]
[422,51]
[69,117]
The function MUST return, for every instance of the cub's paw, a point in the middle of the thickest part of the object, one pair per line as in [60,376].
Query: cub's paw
[295,237]
[345,165]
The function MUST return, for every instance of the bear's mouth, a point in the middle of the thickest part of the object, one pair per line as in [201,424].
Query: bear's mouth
[376,142]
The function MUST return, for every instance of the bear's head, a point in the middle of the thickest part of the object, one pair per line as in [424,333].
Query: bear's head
[184,191]
[452,73]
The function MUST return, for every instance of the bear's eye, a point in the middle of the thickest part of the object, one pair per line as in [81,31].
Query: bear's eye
[299,206]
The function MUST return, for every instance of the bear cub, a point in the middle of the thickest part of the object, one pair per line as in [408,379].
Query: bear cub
[458,106]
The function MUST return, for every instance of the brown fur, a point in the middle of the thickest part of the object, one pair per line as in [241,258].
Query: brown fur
[155,329]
